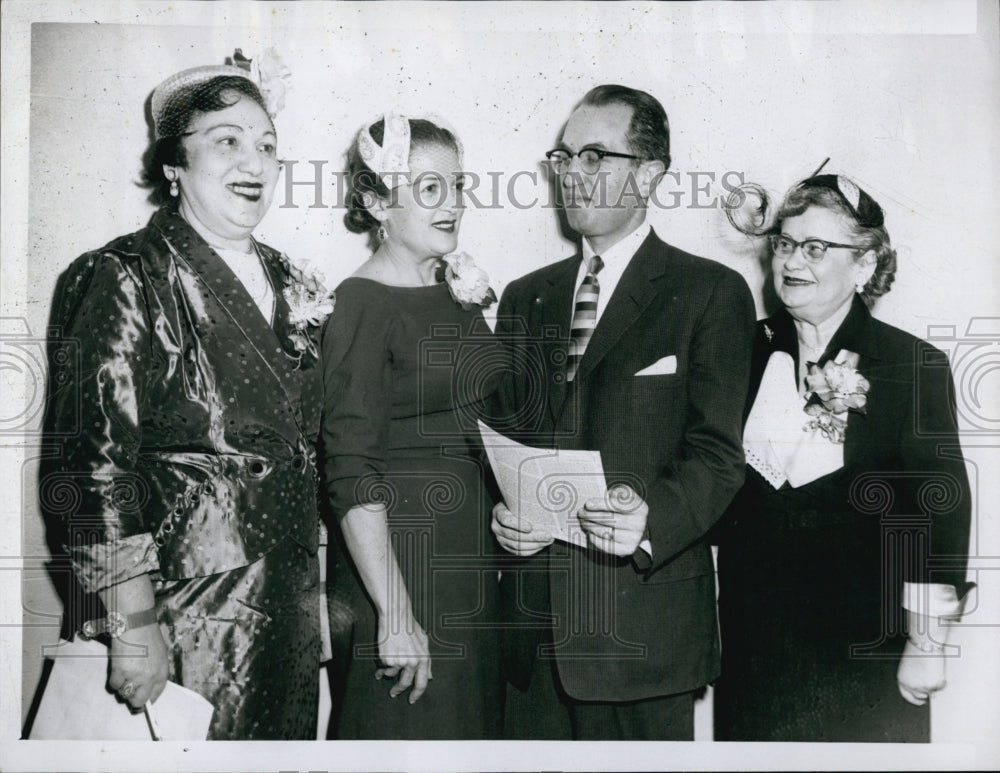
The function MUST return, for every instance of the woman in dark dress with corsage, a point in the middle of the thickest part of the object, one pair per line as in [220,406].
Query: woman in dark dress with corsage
[408,364]
[189,417]
[843,558]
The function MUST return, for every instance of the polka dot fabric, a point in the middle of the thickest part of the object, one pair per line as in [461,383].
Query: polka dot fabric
[188,422]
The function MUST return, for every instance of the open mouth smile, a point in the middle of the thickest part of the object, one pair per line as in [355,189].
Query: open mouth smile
[448,226]
[250,191]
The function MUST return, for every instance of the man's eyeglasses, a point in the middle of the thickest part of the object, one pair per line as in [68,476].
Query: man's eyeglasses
[814,250]
[590,159]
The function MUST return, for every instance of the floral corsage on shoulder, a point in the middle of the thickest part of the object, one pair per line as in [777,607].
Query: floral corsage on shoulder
[835,390]
[309,303]
[468,284]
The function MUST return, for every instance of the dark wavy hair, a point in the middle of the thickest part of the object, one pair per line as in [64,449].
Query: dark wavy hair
[648,133]
[364,185]
[214,94]
[799,199]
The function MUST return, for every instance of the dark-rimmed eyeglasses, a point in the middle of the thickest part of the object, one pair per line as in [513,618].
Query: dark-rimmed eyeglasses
[590,159]
[814,250]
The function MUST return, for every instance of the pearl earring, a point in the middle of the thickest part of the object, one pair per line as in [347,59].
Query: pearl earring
[381,234]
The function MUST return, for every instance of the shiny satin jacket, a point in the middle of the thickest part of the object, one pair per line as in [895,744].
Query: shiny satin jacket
[186,420]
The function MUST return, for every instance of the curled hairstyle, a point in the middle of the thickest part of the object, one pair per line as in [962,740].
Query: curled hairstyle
[648,135]
[364,186]
[182,108]
[799,199]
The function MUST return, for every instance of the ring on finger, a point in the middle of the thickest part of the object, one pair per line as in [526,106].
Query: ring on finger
[127,690]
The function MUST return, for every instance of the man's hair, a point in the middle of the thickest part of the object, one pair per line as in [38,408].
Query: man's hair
[649,130]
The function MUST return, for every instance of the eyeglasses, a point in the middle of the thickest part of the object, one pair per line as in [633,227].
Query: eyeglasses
[590,159]
[814,250]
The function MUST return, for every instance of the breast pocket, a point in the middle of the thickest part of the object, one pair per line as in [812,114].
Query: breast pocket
[656,396]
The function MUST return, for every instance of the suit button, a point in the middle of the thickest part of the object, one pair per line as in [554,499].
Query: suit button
[257,469]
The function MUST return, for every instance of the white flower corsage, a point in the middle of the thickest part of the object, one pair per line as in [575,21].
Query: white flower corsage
[270,74]
[309,304]
[834,390]
[468,284]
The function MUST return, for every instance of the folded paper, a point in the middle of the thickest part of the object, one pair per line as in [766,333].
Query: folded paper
[545,486]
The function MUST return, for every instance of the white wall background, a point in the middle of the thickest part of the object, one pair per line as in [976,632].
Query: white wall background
[903,96]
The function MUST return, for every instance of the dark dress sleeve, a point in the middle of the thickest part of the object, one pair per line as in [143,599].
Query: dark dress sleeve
[931,458]
[96,408]
[357,396]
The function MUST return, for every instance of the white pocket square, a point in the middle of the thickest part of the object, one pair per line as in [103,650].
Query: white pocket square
[662,367]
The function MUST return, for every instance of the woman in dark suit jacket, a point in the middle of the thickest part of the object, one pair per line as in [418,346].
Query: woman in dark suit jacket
[847,545]
[188,416]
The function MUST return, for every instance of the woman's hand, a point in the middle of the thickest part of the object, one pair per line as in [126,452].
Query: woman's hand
[139,659]
[516,535]
[403,646]
[920,674]
[403,650]
[139,665]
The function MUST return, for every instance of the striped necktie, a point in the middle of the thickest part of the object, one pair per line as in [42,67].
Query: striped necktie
[584,316]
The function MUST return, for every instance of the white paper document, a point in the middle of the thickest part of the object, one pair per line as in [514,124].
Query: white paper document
[76,705]
[545,486]
[179,714]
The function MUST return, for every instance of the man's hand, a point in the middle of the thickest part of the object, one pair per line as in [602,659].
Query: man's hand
[615,524]
[516,535]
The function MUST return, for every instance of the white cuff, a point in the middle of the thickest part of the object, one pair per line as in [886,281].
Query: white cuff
[932,599]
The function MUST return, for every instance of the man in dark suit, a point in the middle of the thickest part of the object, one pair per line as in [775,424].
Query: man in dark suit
[646,354]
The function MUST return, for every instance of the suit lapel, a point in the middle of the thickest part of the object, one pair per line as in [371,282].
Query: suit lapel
[301,376]
[557,314]
[230,294]
[280,326]
[635,291]
[857,334]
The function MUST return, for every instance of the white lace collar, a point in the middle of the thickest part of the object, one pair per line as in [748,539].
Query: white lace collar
[774,439]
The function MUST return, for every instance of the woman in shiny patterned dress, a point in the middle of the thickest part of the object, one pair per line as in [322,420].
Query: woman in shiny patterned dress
[188,422]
